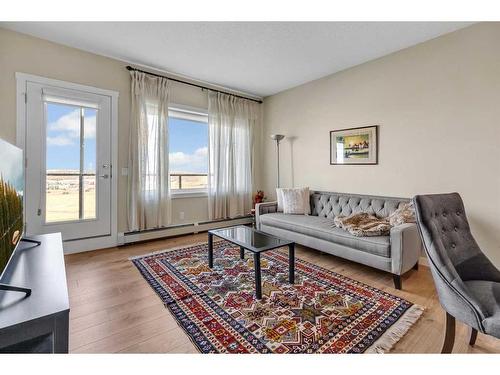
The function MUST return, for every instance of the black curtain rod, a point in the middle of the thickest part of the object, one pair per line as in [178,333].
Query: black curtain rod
[191,84]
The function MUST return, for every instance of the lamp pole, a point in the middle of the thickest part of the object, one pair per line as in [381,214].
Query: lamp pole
[277,138]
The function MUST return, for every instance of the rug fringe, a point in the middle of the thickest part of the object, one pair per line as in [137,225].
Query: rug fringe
[390,337]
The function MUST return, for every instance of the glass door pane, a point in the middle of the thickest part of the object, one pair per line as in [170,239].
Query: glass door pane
[70,163]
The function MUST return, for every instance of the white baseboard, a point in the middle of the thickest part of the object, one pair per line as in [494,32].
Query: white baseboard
[97,243]
[127,238]
[89,244]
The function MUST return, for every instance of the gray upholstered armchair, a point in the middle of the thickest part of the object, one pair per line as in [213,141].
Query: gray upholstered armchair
[468,284]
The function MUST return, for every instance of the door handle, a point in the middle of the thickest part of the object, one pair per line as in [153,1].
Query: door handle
[107,166]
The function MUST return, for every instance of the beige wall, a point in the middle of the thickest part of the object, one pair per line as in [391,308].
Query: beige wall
[438,107]
[22,53]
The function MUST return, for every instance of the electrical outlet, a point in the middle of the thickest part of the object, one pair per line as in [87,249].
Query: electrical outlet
[124,171]
[181,215]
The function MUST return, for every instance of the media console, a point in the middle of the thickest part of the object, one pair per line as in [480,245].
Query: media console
[39,322]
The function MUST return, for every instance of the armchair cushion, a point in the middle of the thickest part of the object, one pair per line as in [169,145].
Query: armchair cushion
[487,293]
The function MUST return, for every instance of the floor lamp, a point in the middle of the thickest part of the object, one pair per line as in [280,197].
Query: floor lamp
[277,138]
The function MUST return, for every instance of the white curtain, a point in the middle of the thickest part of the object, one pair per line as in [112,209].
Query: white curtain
[232,124]
[148,180]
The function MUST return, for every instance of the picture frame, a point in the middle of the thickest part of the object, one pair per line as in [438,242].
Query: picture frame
[354,146]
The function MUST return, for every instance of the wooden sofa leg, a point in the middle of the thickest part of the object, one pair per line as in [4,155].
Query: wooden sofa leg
[473,337]
[449,336]
[397,281]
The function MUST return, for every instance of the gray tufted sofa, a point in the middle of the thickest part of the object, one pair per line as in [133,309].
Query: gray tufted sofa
[396,253]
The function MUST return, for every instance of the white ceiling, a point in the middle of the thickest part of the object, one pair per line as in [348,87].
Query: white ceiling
[260,58]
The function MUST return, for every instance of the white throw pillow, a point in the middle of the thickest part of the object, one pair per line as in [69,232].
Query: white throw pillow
[279,199]
[296,201]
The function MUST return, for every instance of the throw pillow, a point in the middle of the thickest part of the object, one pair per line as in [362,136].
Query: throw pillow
[363,225]
[279,199]
[296,201]
[404,214]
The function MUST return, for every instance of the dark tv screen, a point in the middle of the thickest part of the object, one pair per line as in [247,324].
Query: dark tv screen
[11,200]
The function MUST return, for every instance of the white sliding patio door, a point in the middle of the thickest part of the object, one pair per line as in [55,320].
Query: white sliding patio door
[68,169]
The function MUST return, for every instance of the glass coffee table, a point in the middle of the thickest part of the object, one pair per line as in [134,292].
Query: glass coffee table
[256,242]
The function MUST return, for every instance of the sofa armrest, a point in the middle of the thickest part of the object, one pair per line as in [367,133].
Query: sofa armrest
[262,209]
[406,247]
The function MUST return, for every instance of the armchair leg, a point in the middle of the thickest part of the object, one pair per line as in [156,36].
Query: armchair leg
[449,336]
[397,281]
[473,337]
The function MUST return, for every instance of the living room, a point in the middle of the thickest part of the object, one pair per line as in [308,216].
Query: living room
[318,187]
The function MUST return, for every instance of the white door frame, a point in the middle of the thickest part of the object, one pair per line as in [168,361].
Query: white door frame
[75,246]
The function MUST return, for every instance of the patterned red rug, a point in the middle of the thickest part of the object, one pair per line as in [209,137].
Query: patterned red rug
[324,312]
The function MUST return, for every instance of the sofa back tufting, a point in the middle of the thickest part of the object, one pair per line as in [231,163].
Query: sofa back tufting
[331,205]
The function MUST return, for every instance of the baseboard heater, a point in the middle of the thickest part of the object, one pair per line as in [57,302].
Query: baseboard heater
[180,229]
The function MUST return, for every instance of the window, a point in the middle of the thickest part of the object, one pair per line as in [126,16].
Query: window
[188,150]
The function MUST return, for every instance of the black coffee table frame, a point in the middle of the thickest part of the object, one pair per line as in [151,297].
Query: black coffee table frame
[274,243]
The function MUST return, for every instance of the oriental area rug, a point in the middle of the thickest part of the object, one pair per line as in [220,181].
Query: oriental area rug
[323,312]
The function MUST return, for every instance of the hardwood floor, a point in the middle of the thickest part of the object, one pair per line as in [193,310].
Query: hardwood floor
[113,309]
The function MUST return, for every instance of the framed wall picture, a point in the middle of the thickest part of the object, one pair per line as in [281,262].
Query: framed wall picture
[354,146]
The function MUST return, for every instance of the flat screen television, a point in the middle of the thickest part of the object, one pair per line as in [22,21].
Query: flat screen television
[11,201]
